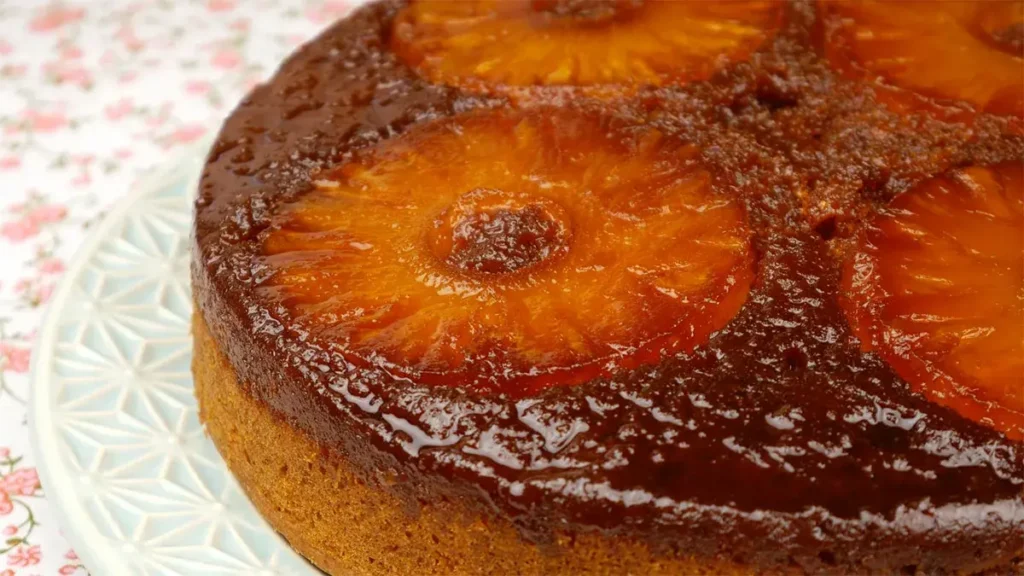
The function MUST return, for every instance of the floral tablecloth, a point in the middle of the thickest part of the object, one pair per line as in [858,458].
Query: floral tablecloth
[92,95]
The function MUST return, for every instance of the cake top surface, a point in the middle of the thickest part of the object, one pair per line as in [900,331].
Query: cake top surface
[697,308]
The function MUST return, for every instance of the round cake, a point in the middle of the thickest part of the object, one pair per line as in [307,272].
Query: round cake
[626,287]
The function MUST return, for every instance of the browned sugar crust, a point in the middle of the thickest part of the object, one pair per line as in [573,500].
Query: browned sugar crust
[345,525]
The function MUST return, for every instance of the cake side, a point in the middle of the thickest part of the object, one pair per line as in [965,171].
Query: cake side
[346,525]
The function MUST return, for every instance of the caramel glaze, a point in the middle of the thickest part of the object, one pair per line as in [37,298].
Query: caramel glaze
[777,443]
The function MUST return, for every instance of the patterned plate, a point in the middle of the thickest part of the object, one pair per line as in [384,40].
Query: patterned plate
[139,486]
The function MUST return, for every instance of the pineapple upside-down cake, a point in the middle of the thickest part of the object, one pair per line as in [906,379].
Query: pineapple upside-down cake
[627,287]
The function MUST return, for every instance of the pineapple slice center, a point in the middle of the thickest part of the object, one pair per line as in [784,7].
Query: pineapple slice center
[494,232]
[580,11]
[1009,38]
[1000,24]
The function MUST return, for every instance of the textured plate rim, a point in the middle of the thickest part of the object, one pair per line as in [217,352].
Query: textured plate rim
[59,488]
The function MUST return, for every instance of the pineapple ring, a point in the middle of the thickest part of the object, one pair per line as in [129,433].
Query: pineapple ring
[512,251]
[936,286]
[969,51]
[482,44]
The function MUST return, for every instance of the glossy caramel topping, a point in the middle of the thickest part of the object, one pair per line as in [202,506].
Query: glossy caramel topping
[936,286]
[511,251]
[956,50]
[776,440]
[484,44]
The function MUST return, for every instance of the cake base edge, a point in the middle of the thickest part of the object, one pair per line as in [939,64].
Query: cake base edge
[345,526]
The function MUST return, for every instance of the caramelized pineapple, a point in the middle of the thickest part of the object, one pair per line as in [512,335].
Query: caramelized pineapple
[958,50]
[513,251]
[482,44]
[936,287]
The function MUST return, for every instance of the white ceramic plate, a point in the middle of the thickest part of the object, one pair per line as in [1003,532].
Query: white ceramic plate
[140,488]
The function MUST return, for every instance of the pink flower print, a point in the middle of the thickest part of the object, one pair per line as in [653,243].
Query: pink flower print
[19,230]
[51,266]
[123,153]
[23,482]
[5,452]
[15,360]
[187,134]
[67,570]
[220,5]
[25,556]
[127,37]
[5,48]
[38,295]
[54,17]
[240,25]
[329,11]
[71,53]
[197,87]
[43,121]
[226,58]
[10,530]
[69,73]
[83,179]
[71,555]
[47,213]
[75,75]
[6,506]
[9,163]
[251,82]
[7,572]
[119,109]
